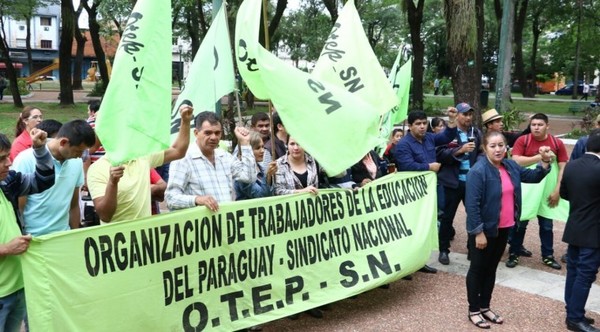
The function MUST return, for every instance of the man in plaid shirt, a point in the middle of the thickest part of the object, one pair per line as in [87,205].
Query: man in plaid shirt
[206,174]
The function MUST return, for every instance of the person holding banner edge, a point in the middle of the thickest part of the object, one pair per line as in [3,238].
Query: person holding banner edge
[525,153]
[12,242]
[123,192]
[416,151]
[206,175]
[493,203]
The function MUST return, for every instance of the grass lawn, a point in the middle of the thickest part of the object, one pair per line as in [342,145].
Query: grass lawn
[9,114]
[559,105]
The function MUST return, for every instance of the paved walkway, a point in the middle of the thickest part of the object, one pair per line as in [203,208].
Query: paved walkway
[521,278]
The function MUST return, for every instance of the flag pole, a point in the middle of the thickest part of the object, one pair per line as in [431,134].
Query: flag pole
[267,42]
[235,91]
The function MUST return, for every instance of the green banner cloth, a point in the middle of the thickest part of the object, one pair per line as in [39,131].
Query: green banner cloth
[211,74]
[134,116]
[400,78]
[535,197]
[335,126]
[348,61]
[253,261]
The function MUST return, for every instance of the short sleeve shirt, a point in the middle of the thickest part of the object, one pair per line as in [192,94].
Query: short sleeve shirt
[48,211]
[11,279]
[133,194]
[527,146]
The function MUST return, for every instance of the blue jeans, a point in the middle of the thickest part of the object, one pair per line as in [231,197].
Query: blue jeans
[12,311]
[517,235]
[582,267]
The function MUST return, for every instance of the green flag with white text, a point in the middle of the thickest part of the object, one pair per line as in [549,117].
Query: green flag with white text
[399,79]
[211,74]
[332,124]
[134,116]
[347,60]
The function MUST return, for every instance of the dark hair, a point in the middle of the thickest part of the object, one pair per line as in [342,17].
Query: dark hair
[4,143]
[277,121]
[593,143]
[416,115]
[94,105]
[259,116]
[211,117]
[397,130]
[490,134]
[434,123]
[539,116]
[25,114]
[50,126]
[77,132]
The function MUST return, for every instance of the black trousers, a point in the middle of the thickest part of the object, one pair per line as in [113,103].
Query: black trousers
[482,272]
[452,198]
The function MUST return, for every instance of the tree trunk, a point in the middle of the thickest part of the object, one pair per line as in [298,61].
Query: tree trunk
[279,9]
[577,50]
[78,63]
[415,19]
[28,46]
[498,14]
[96,42]
[11,73]
[536,30]
[524,82]
[331,6]
[461,29]
[64,52]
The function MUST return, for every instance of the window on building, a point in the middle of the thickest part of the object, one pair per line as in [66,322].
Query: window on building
[46,44]
[20,42]
[45,21]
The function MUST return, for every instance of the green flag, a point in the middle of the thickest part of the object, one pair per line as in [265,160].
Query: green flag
[134,116]
[535,198]
[400,81]
[347,60]
[211,74]
[328,121]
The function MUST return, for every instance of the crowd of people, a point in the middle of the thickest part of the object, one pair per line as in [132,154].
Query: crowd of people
[48,165]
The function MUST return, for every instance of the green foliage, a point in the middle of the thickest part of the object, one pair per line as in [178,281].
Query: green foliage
[304,31]
[97,90]
[512,118]
[22,85]
[588,121]
[433,108]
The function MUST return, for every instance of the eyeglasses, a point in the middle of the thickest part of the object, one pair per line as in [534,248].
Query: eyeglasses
[35,117]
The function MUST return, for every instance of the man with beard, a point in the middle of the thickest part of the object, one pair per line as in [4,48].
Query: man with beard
[456,161]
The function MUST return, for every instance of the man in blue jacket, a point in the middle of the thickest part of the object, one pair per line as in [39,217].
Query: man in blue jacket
[416,151]
[456,161]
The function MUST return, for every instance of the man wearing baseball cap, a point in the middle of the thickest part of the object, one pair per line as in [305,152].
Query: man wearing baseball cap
[456,162]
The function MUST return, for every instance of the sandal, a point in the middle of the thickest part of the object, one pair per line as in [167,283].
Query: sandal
[491,316]
[481,323]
